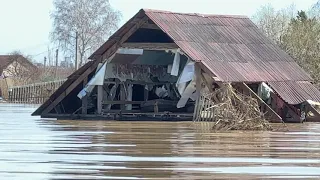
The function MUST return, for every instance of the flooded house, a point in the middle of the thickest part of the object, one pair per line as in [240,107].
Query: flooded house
[159,64]
[15,70]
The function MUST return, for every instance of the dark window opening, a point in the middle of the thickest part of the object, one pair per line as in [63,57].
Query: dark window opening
[149,35]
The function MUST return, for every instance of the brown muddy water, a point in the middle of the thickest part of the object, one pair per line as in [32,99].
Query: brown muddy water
[34,148]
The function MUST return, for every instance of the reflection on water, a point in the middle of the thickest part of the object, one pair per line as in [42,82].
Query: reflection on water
[34,148]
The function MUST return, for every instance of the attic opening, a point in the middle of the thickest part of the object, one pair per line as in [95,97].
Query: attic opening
[149,35]
[149,32]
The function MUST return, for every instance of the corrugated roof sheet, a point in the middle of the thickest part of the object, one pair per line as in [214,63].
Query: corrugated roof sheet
[296,92]
[231,46]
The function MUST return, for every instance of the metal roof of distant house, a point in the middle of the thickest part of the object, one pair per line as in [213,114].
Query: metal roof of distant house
[6,60]
[231,47]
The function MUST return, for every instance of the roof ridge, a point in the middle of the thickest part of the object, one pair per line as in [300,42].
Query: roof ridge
[196,14]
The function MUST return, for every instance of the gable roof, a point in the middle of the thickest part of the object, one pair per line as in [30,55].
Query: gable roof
[6,60]
[231,47]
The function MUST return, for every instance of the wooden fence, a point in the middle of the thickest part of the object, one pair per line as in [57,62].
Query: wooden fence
[36,93]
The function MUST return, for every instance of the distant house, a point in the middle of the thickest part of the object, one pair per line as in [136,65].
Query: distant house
[15,70]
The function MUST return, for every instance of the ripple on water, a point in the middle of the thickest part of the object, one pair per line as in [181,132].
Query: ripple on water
[34,148]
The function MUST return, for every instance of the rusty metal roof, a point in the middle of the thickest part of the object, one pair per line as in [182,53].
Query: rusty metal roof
[231,47]
[295,92]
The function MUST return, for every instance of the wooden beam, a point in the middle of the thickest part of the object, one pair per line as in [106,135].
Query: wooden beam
[139,82]
[150,26]
[270,111]
[99,99]
[71,87]
[150,46]
[84,99]
[122,95]
[118,43]
[123,102]
[145,93]
[123,111]
[198,89]
[108,53]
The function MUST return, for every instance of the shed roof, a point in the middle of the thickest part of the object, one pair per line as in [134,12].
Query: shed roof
[296,92]
[231,47]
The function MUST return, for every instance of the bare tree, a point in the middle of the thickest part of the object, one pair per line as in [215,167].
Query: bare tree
[297,33]
[272,22]
[92,20]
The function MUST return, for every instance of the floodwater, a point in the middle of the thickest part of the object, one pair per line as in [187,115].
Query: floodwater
[34,148]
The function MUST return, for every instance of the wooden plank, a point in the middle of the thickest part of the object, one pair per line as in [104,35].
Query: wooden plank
[124,111]
[150,26]
[99,99]
[118,43]
[112,96]
[198,90]
[84,100]
[139,82]
[146,93]
[123,102]
[108,53]
[122,95]
[129,95]
[150,46]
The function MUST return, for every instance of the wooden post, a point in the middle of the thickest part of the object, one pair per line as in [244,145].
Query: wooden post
[14,94]
[19,95]
[146,93]
[27,95]
[38,94]
[198,90]
[85,98]
[99,99]
[41,93]
[129,96]
[122,96]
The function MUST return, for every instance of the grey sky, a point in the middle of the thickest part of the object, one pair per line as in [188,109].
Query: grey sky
[25,24]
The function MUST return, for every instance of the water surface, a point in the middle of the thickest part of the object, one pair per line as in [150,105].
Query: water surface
[34,148]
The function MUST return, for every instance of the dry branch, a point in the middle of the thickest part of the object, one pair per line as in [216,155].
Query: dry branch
[233,111]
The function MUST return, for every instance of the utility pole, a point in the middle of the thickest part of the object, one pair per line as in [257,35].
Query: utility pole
[76,55]
[57,54]
[44,62]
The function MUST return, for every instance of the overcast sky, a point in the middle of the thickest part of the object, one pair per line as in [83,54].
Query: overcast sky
[25,24]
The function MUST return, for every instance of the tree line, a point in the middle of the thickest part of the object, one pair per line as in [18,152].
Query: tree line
[295,31]
[81,26]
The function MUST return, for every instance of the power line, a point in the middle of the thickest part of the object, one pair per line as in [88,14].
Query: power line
[51,49]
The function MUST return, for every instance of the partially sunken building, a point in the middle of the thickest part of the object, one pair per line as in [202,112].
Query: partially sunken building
[158,65]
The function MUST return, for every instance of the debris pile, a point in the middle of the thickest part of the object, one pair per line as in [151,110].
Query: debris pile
[231,110]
